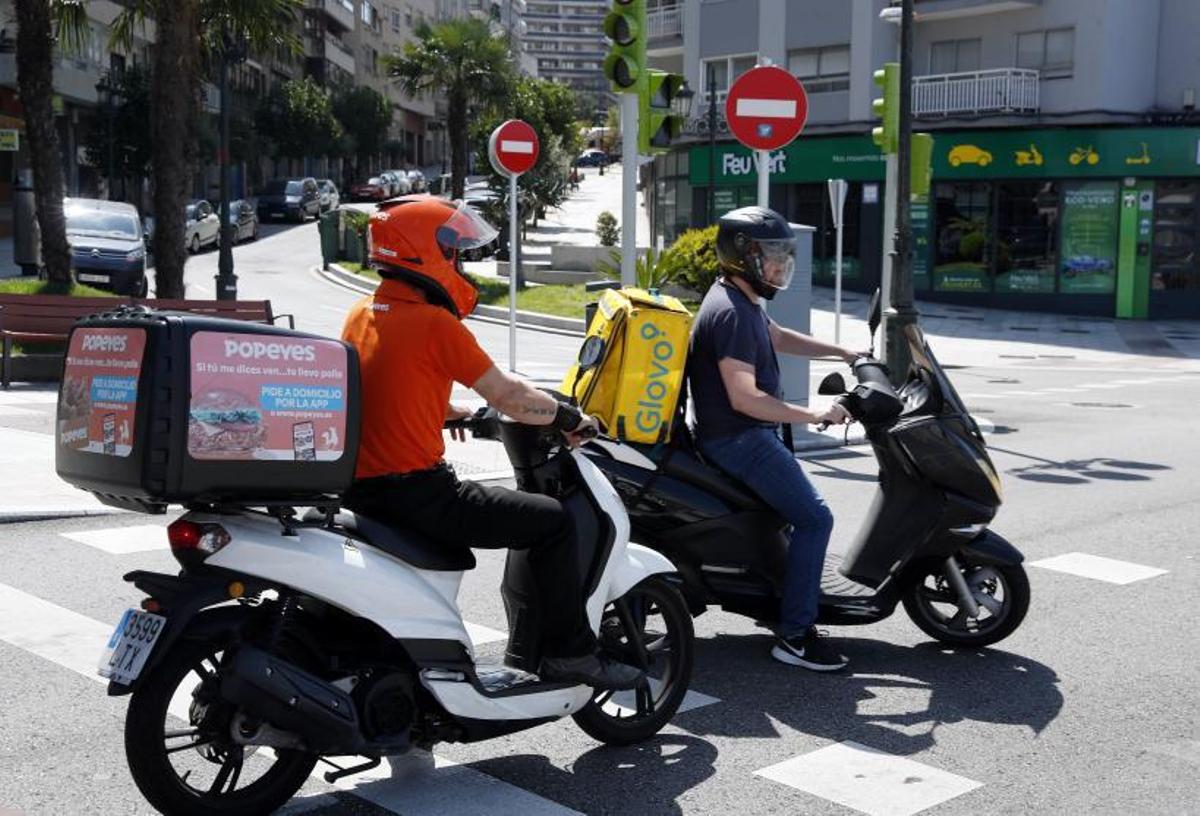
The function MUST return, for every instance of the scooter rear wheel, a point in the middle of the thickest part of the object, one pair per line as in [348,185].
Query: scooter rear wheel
[649,627]
[1001,589]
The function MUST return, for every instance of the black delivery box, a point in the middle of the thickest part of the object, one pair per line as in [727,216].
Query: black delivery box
[160,408]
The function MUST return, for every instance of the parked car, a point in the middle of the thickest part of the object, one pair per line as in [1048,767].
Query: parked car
[297,198]
[108,248]
[330,197]
[373,189]
[202,226]
[402,185]
[243,220]
[416,181]
[592,158]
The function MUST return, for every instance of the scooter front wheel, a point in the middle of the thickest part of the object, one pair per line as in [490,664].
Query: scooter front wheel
[648,627]
[1000,590]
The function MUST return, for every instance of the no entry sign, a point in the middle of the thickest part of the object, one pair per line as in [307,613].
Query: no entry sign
[513,148]
[766,108]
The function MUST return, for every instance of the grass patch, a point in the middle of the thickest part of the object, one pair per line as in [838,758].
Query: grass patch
[34,286]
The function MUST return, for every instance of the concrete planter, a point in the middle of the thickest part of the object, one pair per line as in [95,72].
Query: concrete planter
[37,367]
[541,274]
[583,258]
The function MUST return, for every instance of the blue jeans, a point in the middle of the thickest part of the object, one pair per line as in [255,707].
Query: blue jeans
[760,460]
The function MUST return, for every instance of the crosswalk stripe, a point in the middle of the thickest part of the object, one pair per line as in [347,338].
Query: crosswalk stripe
[59,635]
[123,540]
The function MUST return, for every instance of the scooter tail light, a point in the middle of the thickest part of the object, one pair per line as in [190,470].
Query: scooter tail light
[188,536]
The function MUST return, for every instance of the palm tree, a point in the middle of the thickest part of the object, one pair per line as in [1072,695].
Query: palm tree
[461,60]
[187,31]
[39,24]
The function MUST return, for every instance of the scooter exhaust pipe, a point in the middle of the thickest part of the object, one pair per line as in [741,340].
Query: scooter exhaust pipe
[289,698]
[966,600]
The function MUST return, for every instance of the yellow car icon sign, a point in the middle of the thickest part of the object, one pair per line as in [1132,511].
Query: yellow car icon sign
[969,154]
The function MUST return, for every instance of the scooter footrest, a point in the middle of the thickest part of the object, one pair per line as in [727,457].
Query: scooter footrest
[498,678]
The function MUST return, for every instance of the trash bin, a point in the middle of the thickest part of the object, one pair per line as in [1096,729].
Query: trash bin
[330,230]
[27,236]
[355,250]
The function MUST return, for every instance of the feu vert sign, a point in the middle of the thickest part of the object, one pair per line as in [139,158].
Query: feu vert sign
[855,158]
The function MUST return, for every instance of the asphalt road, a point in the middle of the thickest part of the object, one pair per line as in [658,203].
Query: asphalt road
[1090,707]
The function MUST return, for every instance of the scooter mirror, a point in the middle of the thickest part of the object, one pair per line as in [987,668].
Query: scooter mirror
[832,385]
[591,352]
[874,312]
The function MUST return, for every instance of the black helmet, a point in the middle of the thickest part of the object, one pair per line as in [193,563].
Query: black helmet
[757,244]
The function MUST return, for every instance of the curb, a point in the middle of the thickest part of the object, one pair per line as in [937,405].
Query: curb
[34,514]
[493,314]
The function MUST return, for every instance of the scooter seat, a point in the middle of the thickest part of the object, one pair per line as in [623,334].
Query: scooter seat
[687,467]
[409,546]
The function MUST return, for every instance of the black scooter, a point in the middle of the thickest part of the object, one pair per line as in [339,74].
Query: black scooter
[925,542]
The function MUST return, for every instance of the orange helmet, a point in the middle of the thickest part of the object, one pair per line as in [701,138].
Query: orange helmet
[419,239]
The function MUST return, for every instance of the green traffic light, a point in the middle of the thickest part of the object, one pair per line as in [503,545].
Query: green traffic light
[658,124]
[887,108]
[624,26]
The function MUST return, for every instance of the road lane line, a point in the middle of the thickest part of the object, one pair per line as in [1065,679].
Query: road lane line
[1099,568]
[123,540]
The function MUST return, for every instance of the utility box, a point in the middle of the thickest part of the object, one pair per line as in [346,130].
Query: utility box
[27,235]
[792,309]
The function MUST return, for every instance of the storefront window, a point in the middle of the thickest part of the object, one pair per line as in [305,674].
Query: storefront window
[961,247]
[1175,245]
[1090,223]
[1026,236]
[811,206]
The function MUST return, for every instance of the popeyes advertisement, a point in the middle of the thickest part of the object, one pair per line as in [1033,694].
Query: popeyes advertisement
[261,396]
[98,395]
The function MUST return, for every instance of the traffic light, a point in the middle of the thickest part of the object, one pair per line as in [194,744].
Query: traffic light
[658,124]
[920,164]
[625,27]
[887,108]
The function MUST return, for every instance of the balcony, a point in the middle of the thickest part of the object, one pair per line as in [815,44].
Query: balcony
[930,10]
[339,55]
[339,12]
[664,22]
[1003,90]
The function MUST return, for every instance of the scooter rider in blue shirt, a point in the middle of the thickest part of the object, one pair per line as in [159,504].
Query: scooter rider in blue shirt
[737,398]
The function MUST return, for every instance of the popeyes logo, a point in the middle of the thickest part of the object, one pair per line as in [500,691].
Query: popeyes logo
[256,350]
[104,342]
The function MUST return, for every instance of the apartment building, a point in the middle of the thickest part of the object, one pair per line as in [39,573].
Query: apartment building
[566,38]
[1067,146]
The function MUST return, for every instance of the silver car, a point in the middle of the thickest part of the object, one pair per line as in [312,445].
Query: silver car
[330,197]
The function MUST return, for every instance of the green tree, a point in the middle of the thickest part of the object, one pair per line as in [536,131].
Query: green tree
[189,35]
[39,24]
[129,138]
[461,61]
[297,117]
[365,116]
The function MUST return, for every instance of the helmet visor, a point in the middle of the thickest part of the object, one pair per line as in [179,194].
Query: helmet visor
[778,262]
[465,229]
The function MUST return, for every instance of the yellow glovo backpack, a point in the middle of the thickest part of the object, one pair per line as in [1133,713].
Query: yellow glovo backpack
[639,341]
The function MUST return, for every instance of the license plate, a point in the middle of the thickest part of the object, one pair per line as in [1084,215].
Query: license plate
[86,278]
[130,646]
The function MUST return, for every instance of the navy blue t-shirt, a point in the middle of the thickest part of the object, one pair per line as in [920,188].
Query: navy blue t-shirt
[728,325]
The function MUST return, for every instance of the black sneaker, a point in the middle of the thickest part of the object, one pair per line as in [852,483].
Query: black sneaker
[810,651]
[597,671]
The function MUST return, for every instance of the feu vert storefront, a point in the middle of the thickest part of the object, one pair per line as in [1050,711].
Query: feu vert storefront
[1087,221]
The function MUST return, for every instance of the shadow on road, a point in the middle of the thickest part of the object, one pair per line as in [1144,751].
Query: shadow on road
[1080,471]
[645,778]
[873,705]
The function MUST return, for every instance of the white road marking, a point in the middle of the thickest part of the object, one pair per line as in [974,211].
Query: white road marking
[13,411]
[627,701]
[767,108]
[480,634]
[59,635]
[868,780]
[1099,568]
[123,540]
[1020,393]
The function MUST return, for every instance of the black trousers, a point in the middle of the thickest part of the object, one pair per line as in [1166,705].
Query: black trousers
[465,514]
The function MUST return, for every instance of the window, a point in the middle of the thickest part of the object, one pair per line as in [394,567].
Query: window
[1026,236]
[395,16]
[961,246]
[725,70]
[822,69]
[954,56]
[1052,52]
[1176,216]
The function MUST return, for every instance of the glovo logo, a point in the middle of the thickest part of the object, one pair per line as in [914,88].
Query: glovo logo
[649,417]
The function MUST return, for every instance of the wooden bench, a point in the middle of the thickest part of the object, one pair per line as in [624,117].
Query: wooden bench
[48,318]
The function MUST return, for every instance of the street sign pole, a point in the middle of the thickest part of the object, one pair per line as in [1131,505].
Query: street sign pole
[764,178]
[514,235]
[837,204]
[629,167]
[513,149]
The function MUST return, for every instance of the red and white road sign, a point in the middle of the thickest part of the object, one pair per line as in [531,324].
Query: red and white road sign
[766,108]
[513,148]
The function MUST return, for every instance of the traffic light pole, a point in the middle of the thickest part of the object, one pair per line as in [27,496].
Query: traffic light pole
[629,168]
[898,287]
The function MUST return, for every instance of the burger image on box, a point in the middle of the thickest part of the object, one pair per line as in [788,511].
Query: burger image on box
[159,408]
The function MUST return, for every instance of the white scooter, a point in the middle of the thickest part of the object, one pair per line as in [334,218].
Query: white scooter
[286,640]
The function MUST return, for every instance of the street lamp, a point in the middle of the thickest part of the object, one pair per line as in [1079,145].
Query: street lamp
[233,50]
[109,94]
[682,103]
